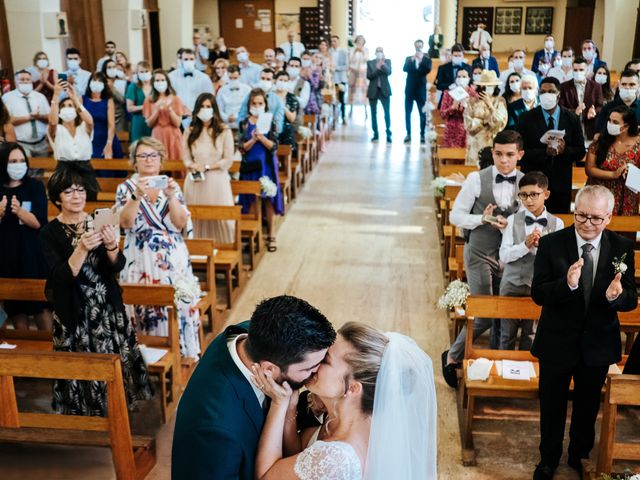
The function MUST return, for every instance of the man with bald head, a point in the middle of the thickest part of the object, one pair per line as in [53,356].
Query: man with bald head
[269,56]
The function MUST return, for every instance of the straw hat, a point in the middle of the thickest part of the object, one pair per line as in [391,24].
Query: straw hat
[488,77]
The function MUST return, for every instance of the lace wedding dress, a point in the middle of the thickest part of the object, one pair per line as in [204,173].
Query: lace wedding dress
[328,461]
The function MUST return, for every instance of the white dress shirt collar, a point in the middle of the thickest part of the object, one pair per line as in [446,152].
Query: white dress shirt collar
[495,173]
[581,241]
[232,344]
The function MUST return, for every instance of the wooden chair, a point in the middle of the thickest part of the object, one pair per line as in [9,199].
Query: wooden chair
[619,390]
[284,171]
[251,223]
[228,259]
[311,122]
[133,458]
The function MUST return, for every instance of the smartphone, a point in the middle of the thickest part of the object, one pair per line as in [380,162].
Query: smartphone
[105,216]
[159,181]
[489,219]
[62,77]
[197,176]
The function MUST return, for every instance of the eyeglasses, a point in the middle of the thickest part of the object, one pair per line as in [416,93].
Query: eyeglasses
[582,218]
[70,191]
[533,195]
[144,156]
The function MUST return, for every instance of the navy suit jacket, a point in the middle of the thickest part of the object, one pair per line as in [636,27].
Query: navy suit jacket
[416,77]
[539,55]
[219,419]
[493,64]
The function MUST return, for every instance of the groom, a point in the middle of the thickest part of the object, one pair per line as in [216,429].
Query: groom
[221,413]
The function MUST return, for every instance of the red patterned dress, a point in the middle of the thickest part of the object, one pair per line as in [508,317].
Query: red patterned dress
[626,200]
[455,135]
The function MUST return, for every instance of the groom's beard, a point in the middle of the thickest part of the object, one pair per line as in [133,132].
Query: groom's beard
[295,385]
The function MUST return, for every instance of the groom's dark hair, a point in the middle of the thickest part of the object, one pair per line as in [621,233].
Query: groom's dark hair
[284,329]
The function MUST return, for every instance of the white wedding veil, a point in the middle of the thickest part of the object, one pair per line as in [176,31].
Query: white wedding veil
[402,442]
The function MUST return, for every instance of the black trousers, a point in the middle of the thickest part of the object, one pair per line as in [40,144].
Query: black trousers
[419,100]
[373,102]
[340,88]
[554,395]
[559,201]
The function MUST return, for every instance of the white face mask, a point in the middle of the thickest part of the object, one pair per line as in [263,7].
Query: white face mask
[112,72]
[305,63]
[160,86]
[42,63]
[280,57]
[567,62]
[265,85]
[188,65]
[462,81]
[557,62]
[588,55]
[144,76]
[548,101]
[579,76]
[544,68]
[490,90]
[25,88]
[485,54]
[627,94]
[205,114]
[73,64]
[549,45]
[96,87]
[518,64]
[282,85]
[234,83]
[457,61]
[515,87]
[379,55]
[600,78]
[68,114]
[528,95]
[613,129]
[17,171]
[119,73]
[476,78]
[293,72]
[243,57]
[257,111]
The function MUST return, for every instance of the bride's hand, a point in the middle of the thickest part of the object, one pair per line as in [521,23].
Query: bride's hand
[279,394]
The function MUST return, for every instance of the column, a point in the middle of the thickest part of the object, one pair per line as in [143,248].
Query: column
[26,32]
[176,27]
[619,28]
[117,27]
[340,20]
[448,10]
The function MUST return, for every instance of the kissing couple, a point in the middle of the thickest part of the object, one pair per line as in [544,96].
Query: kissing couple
[371,402]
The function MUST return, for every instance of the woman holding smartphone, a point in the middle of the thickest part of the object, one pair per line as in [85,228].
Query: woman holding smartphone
[208,155]
[153,215]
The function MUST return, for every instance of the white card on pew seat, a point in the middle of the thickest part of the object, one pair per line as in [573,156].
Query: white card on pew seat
[633,178]
[152,355]
[514,370]
[263,125]
[7,346]
[614,369]
[479,369]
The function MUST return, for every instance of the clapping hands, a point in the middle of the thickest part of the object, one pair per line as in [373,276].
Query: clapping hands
[533,239]
[573,274]
[615,288]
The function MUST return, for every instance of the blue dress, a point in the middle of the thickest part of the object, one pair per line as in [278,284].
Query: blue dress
[268,165]
[98,111]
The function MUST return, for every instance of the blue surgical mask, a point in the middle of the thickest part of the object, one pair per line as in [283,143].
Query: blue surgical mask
[17,171]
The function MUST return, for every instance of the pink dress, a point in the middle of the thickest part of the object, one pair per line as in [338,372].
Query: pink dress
[455,136]
[164,130]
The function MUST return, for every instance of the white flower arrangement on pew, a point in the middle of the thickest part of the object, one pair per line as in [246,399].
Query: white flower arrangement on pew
[304,132]
[625,476]
[269,188]
[432,136]
[455,296]
[439,183]
[186,290]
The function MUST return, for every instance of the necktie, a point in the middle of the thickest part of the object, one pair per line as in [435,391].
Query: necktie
[486,64]
[501,178]
[291,50]
[550,123]
[34,129]
[530,221]
[586,276]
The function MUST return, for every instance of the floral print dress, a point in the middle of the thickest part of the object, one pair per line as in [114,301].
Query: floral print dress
[626,201]
[155,253]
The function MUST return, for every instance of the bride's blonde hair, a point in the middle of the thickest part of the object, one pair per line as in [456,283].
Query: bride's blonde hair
[365,363]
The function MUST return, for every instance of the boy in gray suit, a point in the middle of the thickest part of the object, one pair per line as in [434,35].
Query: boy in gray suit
[518,251]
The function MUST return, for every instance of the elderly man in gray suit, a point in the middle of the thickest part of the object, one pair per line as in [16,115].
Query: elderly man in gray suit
[340,61]
[378,71]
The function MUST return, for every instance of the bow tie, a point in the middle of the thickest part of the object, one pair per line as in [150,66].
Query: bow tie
[234,89]
[541,221]
[188,74]
[502,178]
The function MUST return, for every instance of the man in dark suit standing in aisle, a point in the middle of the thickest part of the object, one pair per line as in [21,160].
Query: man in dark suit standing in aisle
[554,160]
[378,71]
[583,276]
[417,68]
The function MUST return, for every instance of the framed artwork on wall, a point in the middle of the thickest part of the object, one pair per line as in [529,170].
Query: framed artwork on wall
[539,21]
[508,21]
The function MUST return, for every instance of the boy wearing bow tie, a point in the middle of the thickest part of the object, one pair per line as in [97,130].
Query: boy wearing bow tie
[519,245]
[482,208]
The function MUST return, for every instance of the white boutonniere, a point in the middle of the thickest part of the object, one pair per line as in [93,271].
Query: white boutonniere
[618,265]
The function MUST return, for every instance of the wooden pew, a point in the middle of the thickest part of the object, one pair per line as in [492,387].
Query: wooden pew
[167,368]
[133,458]
[251,223]
[229,256]
[620,390]
[48,164]
[283,155]
[311,122]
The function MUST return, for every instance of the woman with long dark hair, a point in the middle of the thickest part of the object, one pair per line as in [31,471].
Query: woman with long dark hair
[609,157]
[7,132]
[512,88]
[602,77]
[208,155]
[98,100]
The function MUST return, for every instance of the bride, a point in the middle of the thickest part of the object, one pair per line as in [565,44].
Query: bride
[379,395]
